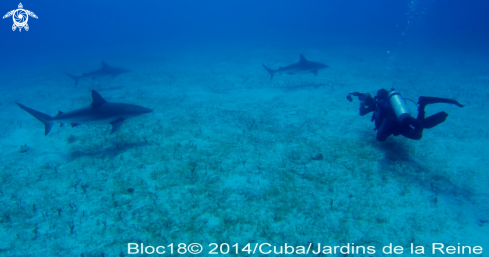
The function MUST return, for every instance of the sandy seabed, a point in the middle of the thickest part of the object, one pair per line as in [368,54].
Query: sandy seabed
[229,156]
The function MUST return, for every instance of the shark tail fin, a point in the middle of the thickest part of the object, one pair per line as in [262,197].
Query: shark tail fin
[76,78]
[44,118]
[272,72]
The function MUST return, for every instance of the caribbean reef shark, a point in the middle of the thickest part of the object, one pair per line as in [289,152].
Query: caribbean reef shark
[99,112]
[106,70]
[303,66]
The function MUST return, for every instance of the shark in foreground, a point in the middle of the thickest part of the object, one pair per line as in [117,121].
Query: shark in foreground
[303,66]
[99,112]
[106,70]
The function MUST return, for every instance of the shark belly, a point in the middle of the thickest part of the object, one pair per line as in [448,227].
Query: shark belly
[88,116]
[298,71]
[89,120]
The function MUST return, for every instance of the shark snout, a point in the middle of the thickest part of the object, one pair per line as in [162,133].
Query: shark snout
[130,110]
[323,66]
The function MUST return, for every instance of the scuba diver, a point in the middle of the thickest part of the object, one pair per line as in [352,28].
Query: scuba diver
[392,117]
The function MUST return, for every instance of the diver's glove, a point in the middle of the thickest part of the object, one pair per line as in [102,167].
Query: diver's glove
[368,100]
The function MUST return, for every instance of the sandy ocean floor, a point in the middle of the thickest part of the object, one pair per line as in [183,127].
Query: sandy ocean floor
[227,155]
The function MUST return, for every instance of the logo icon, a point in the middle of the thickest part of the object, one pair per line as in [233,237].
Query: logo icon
[20,17]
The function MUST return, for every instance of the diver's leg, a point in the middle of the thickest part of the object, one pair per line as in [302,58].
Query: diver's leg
[434,120]
[413,133]
[424,100]
[385,129]
[382,136]
[421,112]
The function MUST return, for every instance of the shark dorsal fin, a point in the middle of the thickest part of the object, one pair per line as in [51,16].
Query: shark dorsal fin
[302,58]
[104,65]
[59,113]
[97,100]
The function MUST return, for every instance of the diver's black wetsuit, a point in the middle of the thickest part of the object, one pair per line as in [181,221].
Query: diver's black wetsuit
[386,122]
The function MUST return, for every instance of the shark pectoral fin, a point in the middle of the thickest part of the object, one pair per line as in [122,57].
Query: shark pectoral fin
[315,72]
[116,125]
[74,125]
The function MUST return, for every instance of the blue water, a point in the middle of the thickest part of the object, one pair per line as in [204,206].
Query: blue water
[228,155]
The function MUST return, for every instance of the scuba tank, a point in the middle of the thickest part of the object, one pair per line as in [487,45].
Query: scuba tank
[399,105]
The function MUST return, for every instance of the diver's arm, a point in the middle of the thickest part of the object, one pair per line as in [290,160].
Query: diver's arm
[364,110]
[367,105]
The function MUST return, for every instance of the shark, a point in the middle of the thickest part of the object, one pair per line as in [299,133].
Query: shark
[100,112]
[303,66]
[105,70]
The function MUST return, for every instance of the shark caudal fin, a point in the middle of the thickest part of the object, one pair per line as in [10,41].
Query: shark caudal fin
[76,78]
[272,72]
[44,118]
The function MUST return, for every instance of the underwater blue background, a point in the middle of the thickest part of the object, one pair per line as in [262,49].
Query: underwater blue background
[229,155]
[124,27]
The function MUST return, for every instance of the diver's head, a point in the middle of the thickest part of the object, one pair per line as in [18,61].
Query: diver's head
[382,94]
